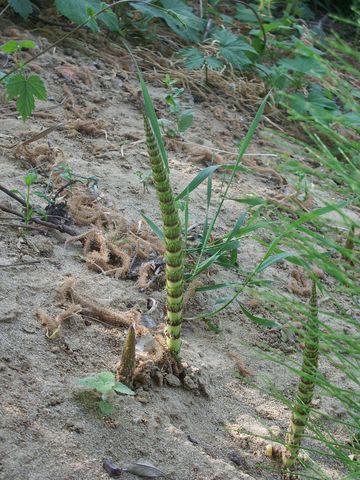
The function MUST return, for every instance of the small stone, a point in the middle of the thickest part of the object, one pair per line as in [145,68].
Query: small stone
[159,379]
[237,459]
[29,329]
[8,313]
[189,383]
[172,381]
[142,396]
[74,427]
[42,245]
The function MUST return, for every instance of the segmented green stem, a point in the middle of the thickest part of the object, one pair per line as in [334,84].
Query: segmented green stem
[301,407]
[174,269]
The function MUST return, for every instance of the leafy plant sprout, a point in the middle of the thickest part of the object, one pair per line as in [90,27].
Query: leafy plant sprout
[22,87]
[105,385]
[183,118]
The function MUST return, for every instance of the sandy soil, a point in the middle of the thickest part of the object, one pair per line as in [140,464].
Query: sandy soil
[49,431]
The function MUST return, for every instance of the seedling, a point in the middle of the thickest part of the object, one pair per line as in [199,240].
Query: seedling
[22,87]
[183,118]
[105,385]
[145,179]
[29,210]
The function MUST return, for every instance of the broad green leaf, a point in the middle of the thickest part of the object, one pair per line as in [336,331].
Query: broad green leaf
[305,65]
[245,15]
[23,7]
[233,49]
[13,45]
[103,382]
[25,89]
[9,47]
[121,388]
[109,19]
[27,44]
[177,15]
[259,320]
[78,11]
[186,120]
[214,63]
[30,178]
[194,59]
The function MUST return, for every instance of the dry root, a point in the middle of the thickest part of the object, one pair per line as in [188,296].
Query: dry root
[42,157]
[68,293]
[155,364]
[87,127]
[239,364]
[52,325]
[125,259]
[299,283]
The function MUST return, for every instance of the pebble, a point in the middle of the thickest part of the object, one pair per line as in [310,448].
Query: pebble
[172,380]
[142,396]
[189,383]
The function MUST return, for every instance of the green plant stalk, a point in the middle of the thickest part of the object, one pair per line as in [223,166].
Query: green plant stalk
[174,248]
[301,406]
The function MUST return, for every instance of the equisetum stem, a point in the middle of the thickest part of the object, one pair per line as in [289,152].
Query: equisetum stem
[174,249]
[301,407]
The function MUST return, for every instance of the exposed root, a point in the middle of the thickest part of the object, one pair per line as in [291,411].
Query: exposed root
[155,364]
[291,202]
[68,293]
[239,364]
[88,127]
[42,157]
[299,283]
[52,325]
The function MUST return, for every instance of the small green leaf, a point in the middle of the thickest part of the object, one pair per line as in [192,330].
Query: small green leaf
[186,120]
[27,44]
[103,382]
[25,89]
[105,407]
[22,7]
[121,388]
[30,178]
[9,47]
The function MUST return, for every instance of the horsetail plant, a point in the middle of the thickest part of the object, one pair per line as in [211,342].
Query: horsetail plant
[303,398]
[174,251]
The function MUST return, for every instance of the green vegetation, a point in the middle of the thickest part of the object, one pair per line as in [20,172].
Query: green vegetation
[105,385]
[174,253]
[307,380]
[313,109]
